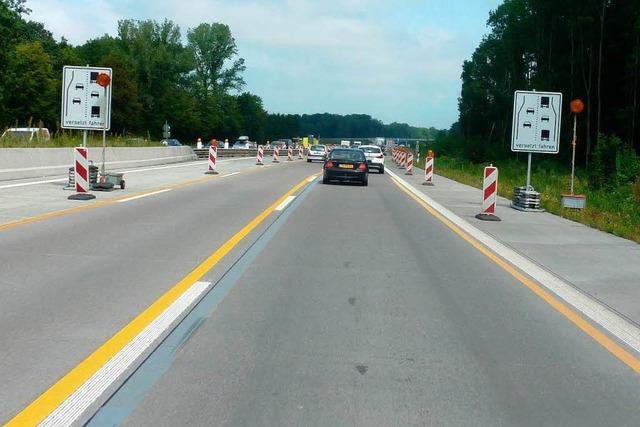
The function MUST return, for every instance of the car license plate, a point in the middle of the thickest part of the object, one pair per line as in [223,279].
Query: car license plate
[346,166]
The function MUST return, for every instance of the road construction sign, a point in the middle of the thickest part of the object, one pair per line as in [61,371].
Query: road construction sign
[537,117]
[86,104]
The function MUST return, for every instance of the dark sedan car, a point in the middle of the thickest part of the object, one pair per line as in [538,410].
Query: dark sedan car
[346,165]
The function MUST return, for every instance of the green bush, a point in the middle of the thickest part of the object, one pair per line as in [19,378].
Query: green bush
[613,163]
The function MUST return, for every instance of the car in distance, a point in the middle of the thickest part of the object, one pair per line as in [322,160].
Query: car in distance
[374,156]
[171,142]
[317,152]
[27,134]
[241,144]
[345,164]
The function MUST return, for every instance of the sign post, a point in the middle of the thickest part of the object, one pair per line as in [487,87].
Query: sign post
[86,102]
[537,117]
[574,201]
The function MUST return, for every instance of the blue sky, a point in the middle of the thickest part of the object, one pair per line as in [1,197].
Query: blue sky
[395,60]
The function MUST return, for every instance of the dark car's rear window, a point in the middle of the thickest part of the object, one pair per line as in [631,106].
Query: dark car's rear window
[349,155]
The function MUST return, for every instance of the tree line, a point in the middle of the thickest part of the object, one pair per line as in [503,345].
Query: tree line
[196,85]
[586,49]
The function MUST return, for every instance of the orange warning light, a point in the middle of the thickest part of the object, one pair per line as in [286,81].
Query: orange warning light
[103,79]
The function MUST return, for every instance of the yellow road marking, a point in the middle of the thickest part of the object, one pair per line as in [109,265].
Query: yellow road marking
[612,346]
[42,406]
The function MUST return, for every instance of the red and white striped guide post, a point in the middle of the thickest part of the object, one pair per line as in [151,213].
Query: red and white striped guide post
[81,155]
[395,156]
[409,164]
[260,159]
[213,159]
[300,153]
[290,154]
[428,171]
[81,174]
[403,156]
[489,194]
[276,153]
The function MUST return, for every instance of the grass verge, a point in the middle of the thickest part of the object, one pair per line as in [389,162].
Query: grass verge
[73,140]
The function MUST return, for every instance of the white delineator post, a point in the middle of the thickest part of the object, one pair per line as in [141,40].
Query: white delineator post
[489,194]
[428,171]
[409,164]
[81,174]
[213,158]
[260,159]
[276,153]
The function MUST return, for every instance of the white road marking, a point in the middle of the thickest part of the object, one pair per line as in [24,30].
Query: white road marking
[597,312]
[147,169]
[26,184]
[311,178]
[128,199]
[230,174]
[282,206]
[82,404]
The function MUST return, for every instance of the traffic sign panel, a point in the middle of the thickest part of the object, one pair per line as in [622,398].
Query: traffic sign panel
[537,117]
[86,104]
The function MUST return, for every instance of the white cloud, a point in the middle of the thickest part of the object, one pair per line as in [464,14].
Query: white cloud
[77,22]
[308,56]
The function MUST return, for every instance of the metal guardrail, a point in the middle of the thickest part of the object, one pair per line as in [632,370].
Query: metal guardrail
[203,153]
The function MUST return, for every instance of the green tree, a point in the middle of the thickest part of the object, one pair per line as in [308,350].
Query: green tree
[213,48]
[253,117]
[161,64]
[33,89]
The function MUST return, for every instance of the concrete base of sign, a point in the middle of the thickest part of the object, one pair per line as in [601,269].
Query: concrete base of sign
[573,201]
[81,196]
[487,217]
[211,173]
[521,209]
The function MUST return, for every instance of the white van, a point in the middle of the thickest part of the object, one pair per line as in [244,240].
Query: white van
[27,134]
[345,144]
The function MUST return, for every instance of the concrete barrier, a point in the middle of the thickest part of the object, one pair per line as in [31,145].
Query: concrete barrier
[235,152]
[19,163]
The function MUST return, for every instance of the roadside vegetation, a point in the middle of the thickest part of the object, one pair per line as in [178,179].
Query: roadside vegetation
[192,79]
[586,49]
[74,139]
[612,190]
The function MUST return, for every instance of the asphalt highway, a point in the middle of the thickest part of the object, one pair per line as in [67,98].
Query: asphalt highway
[345,305]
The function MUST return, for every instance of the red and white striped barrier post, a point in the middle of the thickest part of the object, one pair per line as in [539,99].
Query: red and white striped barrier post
[81,175]
[394,156]
[300,153]
[409,164]
[489,194]
[401,159]
[213,159]
[428,171]
[276,153]
[290,154]
[260,160]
